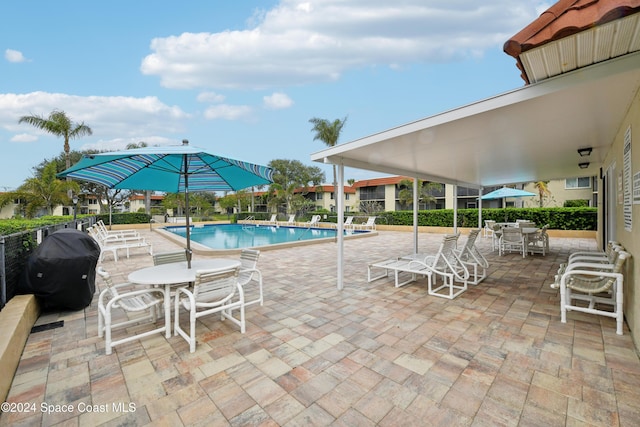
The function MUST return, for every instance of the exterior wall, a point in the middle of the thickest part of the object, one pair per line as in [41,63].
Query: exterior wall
[559,194]
[629,239]
[327,202]
[7,211]
[390,197]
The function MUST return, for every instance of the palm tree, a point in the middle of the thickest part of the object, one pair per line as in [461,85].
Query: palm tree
[59,124]
[329,133]
[543,190]
[43,192]
[405,195]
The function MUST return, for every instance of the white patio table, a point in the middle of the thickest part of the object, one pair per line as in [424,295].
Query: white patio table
[177,273]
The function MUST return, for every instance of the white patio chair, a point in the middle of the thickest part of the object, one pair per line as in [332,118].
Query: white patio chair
[214,291]
[597,254]
[444,263]
[169,257]
[608,257]
[521,223]
[348,223]
[271,221]
[471,256]
[119,233]
[114,238]
[130,300]
[369,225]
[488,228]
[290,221]
[538,242]
[314,221]
[511,238]
[594,284]
[115,246]
[250,274]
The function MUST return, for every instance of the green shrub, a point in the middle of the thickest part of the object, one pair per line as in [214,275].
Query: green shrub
[125,218]
[579,218]
[577,203]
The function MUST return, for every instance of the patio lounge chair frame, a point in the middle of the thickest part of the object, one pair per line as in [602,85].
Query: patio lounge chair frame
[444,263]
[475,261]
[115,246]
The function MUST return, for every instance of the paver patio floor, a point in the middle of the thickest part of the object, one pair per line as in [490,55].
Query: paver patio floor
[370,354]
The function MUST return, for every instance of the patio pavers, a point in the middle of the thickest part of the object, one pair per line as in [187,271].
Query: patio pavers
[370,354]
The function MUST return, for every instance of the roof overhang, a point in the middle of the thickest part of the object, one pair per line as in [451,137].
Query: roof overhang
[529,134]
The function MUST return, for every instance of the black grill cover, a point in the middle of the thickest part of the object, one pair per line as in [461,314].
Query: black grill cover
[61,272]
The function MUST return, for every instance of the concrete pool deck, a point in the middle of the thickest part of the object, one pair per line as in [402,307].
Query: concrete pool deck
[368,355]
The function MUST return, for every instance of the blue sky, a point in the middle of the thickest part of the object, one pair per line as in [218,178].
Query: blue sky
[243,78]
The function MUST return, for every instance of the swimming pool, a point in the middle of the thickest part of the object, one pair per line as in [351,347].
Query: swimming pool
[223,237]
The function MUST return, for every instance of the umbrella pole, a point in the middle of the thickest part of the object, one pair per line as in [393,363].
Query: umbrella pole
[186,206]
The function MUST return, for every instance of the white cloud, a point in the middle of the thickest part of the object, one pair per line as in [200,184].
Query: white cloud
[122,143]
[309,41]
[227,112]
[211,97]
[277,101]
[108,116]
[23,137]
[14,56]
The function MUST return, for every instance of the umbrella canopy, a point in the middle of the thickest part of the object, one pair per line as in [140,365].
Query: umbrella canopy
[172,169]
[506,192]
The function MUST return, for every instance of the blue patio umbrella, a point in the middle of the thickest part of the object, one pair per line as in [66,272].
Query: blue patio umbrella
[172,169]
[506,192]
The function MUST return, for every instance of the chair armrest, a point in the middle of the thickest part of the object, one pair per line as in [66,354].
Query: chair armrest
[592,273]
[594,267]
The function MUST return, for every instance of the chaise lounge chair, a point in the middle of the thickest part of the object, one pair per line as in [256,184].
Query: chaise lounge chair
[272,221]
[444,263]
[471,256]
[114,246]
[291,221]
[369,225]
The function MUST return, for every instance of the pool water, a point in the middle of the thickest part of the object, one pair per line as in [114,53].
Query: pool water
[238,236]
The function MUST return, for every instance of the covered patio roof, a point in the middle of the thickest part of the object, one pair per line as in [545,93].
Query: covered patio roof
[529,134]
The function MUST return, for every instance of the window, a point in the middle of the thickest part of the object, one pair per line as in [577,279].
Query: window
[372,193]
[582,182]
[332,196]
[346,196]
[318,196]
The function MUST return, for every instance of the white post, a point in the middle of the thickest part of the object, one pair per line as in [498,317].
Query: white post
[340,225]
[455,209]
[480,209]
[415,215]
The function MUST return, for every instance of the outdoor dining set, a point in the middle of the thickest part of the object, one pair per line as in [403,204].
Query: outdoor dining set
[522,236]
[199,287]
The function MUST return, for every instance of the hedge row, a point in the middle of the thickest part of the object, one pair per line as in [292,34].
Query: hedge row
[581,218]
[10,226]
[125,218]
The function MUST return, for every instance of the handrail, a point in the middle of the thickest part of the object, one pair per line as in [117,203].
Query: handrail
[248,218]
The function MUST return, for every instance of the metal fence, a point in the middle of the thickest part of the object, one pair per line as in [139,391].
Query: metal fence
[15,250]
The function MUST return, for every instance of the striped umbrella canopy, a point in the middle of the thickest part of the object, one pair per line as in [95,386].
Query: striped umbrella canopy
[506,192]
[172,169]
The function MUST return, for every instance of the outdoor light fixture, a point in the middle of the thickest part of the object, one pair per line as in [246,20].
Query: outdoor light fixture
[74,199]
[583,165]
[584,152]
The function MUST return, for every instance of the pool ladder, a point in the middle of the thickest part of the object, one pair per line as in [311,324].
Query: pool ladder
[250,218]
